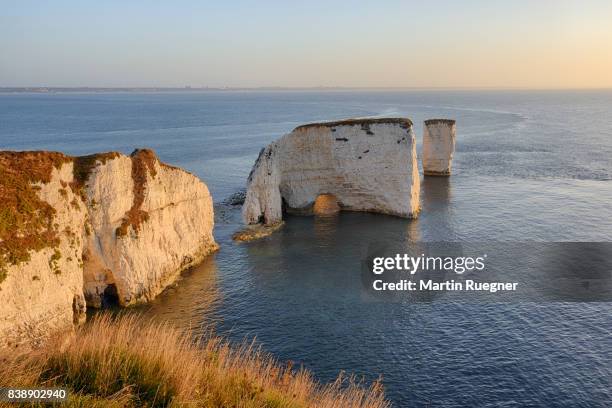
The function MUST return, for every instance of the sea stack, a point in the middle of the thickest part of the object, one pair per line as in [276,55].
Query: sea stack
[438,146]
[76,231]
[356,165]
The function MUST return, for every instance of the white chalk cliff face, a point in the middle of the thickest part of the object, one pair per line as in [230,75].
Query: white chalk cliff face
[438,147]
[366,164]
[46,292]
[103,225]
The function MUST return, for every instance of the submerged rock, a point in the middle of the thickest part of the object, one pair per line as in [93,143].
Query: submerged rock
[438,146]
[86,229]
[236,198]
[364,164]
[256,231]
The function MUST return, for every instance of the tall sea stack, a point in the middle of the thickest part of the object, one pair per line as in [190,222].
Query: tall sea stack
[438,146]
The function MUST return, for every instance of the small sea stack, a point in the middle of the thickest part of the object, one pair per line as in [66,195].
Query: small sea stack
[438,146]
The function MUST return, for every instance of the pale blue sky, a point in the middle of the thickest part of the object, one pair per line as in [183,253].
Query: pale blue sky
[518,43]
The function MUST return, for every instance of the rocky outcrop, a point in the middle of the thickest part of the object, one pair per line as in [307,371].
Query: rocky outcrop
[361,164]
[256,231]
[148,222]
[78,230]
[438,146]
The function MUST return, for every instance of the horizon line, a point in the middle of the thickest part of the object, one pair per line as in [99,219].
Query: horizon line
[187,88]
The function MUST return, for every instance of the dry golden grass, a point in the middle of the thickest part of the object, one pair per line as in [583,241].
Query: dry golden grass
[126,362]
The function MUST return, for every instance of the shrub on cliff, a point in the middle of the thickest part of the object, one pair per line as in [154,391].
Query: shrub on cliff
[125,362]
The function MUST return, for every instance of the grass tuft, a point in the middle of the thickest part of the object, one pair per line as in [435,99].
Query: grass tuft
[127,362]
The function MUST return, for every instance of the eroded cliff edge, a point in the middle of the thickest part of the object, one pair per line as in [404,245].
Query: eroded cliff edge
[363,164]
[75,231]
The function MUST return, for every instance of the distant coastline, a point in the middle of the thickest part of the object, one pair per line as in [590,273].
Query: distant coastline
[44,89]
[93,89]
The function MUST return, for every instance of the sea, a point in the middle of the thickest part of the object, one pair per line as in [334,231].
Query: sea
[531,169]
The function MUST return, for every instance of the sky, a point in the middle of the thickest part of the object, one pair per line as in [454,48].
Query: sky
[430,44]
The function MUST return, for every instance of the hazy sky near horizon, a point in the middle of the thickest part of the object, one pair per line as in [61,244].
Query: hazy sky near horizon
[440,43]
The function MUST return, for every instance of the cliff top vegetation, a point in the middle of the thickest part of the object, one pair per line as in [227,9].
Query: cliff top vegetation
[27,222]
[363,122]
[126,362]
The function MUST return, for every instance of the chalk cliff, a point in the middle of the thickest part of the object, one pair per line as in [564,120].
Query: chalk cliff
[78,230]
[361,164]
[438,146]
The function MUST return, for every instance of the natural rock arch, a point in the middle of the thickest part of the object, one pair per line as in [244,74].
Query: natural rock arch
[367,164]
[325,204]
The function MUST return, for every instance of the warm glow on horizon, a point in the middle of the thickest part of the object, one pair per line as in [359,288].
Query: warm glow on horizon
[524,44]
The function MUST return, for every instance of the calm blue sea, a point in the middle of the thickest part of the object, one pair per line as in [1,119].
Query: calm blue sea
[530,166]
